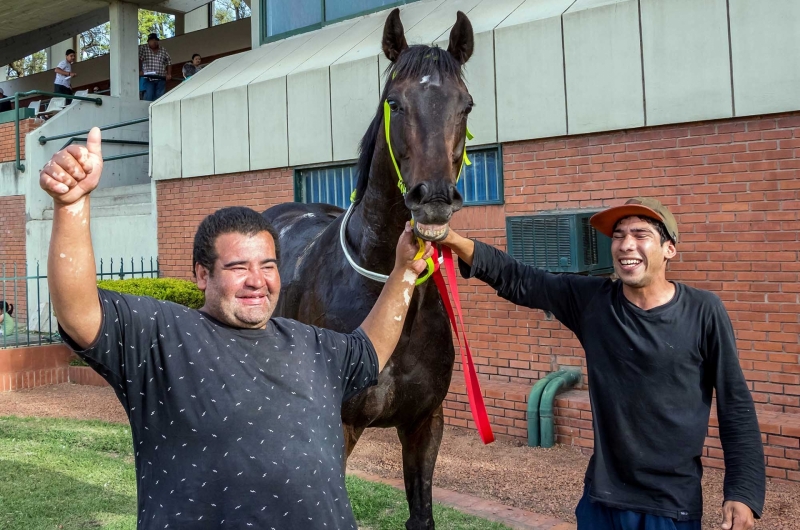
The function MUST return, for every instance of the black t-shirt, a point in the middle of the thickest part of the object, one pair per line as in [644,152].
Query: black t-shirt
[232,428]
[651,379]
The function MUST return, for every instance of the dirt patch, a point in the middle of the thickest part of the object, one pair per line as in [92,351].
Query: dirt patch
[546,481]
[64,401]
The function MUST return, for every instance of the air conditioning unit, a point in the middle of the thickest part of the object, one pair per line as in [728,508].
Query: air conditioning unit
[559,242]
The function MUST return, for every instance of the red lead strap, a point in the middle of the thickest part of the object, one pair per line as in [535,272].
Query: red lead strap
[470,376]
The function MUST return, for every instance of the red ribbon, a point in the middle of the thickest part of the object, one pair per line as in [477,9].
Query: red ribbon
[476,405]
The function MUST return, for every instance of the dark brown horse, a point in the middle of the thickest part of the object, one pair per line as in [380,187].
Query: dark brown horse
[428,104]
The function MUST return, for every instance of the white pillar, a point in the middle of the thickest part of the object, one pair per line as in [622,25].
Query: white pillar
[180,20]
[4,72]
[255,24]
[57,52]
[124,49]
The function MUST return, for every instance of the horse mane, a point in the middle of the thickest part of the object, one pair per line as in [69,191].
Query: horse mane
[414,62]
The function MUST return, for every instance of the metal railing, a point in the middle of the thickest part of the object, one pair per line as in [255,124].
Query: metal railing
[75,137]
[33,314]
[24,95]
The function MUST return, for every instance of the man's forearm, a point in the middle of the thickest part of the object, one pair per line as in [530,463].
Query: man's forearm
[463,247]
[71,273]
[384,324]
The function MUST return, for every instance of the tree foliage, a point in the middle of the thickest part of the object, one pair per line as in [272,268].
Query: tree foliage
[97,41]
[229,11]
[153,22]
[32,64]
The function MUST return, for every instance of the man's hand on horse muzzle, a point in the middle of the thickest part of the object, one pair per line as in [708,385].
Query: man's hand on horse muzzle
[407,256]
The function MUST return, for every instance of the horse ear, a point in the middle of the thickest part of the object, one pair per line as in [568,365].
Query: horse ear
[394,38]
[462,40]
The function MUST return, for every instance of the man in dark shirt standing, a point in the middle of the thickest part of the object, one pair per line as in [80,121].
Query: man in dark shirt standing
[235,416]
[655,352]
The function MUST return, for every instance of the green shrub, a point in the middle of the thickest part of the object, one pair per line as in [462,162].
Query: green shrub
[179,291]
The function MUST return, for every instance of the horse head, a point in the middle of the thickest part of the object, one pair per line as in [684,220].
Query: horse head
[423,123]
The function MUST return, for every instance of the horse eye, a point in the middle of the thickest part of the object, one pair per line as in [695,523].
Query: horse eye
[393,105]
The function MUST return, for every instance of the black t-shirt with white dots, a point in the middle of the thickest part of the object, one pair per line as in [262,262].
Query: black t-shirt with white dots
[232,428]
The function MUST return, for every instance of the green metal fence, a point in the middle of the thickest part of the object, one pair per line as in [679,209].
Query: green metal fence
[24,95]
[26,290]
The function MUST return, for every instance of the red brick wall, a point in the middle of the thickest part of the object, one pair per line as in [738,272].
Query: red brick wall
[8,145]
[12,251]
[733,186]
[183,203]
[33,366]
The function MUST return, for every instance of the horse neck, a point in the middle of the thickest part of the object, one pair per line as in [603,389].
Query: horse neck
[379,218]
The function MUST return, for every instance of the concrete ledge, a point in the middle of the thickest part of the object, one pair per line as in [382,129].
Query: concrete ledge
[85,375]
[33,366]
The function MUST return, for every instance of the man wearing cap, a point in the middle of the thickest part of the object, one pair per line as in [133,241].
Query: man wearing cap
[656,351]
[154,63]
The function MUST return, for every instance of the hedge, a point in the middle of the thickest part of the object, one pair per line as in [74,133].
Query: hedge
[179,291]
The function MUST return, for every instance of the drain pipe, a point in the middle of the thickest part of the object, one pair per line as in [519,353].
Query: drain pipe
[566,380]
[533,406]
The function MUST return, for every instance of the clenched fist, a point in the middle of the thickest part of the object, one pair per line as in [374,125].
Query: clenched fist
[73,172]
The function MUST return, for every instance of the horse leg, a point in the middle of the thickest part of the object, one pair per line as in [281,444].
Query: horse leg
[351,436]
[420,448]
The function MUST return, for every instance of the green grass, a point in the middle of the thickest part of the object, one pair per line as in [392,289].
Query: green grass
[382,507]
[71,474]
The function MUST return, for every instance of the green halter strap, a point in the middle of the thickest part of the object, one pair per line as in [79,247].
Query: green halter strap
[387,121]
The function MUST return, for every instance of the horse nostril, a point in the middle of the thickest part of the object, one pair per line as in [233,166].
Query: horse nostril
[417,195]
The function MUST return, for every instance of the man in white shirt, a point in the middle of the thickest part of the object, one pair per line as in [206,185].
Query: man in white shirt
[64,75]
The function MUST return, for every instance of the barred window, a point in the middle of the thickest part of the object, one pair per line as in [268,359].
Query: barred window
[480,183]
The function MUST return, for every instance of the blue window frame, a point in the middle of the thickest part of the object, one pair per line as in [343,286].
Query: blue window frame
[284,18]
[332,185]
[481,183]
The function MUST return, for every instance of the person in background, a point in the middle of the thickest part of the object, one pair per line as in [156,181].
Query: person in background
[64,75]
[5,105]
[7,323]
[154,63]
[193,66]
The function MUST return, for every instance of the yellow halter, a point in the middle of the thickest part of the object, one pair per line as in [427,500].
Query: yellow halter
[387,121]
[387,115]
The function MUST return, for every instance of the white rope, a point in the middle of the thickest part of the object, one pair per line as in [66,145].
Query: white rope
[362,271]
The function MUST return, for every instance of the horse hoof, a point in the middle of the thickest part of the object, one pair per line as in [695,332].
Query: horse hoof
[418,524]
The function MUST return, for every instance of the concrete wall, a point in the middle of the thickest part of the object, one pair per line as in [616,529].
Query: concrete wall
[196,20]
[123,207]
[541,68]
[212,41]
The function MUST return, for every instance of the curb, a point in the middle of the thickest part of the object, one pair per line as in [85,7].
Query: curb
[493,511]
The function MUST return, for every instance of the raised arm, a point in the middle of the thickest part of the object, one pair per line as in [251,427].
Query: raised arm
[385,322]
[69,177]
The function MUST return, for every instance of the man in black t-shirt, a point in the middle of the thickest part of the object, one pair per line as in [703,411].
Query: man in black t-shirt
[235,416]
[655,352]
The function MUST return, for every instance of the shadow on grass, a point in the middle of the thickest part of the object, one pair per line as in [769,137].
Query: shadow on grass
[33,498]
